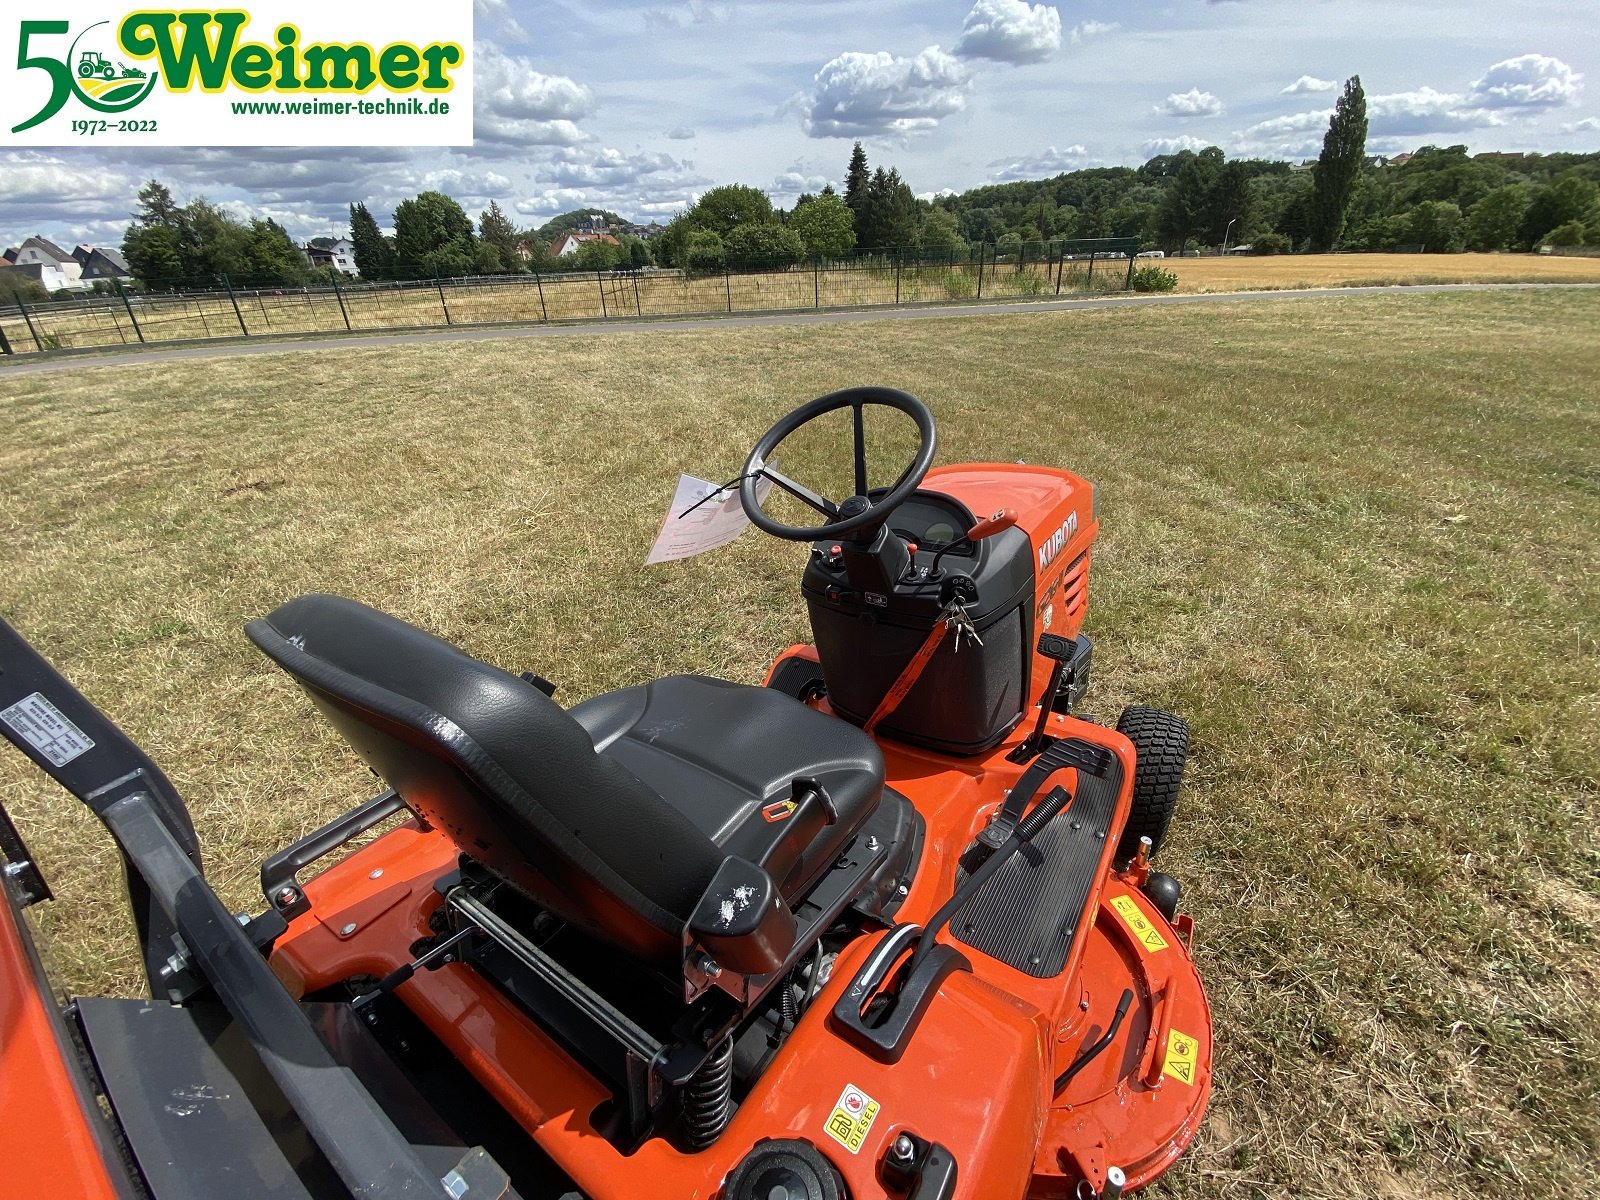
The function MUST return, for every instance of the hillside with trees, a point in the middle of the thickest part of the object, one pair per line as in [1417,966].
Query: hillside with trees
[1438,199]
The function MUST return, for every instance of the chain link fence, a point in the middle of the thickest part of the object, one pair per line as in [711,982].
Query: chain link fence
[219,307]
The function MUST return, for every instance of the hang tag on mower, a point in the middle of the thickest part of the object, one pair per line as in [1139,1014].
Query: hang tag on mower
[703,516]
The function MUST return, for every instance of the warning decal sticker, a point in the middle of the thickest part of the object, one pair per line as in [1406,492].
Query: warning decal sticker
[42,726]
[1183,1054]
[1139,923]
[851,1118]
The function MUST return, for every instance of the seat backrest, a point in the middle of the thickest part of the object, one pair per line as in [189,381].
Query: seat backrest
[502,769]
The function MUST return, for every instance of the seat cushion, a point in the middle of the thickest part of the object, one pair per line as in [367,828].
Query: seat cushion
[726,756]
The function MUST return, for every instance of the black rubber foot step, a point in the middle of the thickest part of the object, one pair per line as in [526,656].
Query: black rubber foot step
[1028,915]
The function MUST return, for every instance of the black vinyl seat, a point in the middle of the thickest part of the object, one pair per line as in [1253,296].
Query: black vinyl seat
[618,816]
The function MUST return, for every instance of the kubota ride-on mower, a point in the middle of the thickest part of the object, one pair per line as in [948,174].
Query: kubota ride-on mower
[883,928]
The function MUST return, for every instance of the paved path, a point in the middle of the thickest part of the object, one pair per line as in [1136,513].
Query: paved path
[28,364]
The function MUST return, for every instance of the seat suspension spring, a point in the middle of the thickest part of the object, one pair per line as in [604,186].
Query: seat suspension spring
[708,1097]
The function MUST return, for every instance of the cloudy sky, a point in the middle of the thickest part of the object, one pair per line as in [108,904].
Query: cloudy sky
[638,107]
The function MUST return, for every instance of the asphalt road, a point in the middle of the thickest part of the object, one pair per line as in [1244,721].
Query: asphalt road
[28,364]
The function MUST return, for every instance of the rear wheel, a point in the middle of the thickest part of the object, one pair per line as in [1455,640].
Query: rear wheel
[1161,742]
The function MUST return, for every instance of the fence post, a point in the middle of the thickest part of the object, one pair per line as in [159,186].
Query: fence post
[5,344]
[727,283]
[1092,253]
[37,344]
[1127,285]
[244,329]
[438,282]
[343,311]
[602,283]
[980,270]
[544,313]
[899,258]
[816,282]
[1061,265]
[638,305]
[123,293]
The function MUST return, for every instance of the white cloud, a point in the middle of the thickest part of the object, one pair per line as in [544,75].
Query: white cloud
[1528,81]
[1307,84]
[1193,103]
[861,95]
[1587,125]
[1172,145]
[518,106]
[1419,113]
[501,20]
[1085,30]
[1037,166]
[1010,31]
[794,182]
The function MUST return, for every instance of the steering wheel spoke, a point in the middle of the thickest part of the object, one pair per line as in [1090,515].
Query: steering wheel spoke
[800,492]
[838,524]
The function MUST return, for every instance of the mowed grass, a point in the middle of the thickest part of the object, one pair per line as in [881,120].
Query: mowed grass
[1356,543]
[1246,274]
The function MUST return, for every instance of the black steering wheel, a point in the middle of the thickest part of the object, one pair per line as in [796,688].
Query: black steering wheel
[856,513]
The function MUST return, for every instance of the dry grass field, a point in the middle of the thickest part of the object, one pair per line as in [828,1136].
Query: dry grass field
[1355,542]
[1364,270]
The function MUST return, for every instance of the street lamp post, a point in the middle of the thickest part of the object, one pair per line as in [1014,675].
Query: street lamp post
[1225,234]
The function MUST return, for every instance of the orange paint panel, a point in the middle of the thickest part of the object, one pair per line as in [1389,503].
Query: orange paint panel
[48,1144]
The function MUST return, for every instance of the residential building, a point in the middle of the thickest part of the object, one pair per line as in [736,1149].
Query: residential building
[101,263]
[569,242]
[340,255]
[53,267]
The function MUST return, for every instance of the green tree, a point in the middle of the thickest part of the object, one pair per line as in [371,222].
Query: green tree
[1344,149]
[941,233]
[270,256]
[14,286]
[495,229]
[856,179]
[825,225]
[1572,233]
[156,206]
[373,254]
[1184,207]
[1494,221]
[152,252]
[723,209]
[764,247]
[434,233]
[1570,197]
[703,251]
[597,254]
[889,219]
[1435,225]
[1227,202]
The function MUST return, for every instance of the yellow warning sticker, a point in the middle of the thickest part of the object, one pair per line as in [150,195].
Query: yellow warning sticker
[1139,923]
[852,1117]
[1183,1056]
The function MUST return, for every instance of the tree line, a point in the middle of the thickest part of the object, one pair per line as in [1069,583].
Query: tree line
[1439,199]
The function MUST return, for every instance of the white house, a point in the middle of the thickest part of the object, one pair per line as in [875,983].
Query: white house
[42,259]
[341,255]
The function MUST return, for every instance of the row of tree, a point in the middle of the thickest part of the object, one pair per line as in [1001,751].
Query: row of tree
[1439,199]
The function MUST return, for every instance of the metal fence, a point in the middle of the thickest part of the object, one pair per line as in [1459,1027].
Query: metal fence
[219,307]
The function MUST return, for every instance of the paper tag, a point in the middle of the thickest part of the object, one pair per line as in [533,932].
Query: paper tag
[42,725]
[714,523]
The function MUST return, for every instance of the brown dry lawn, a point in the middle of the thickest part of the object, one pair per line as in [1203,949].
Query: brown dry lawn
[1355,542]
[1355,270]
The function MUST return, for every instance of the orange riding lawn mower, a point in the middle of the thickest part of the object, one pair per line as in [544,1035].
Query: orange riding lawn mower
[885,927]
